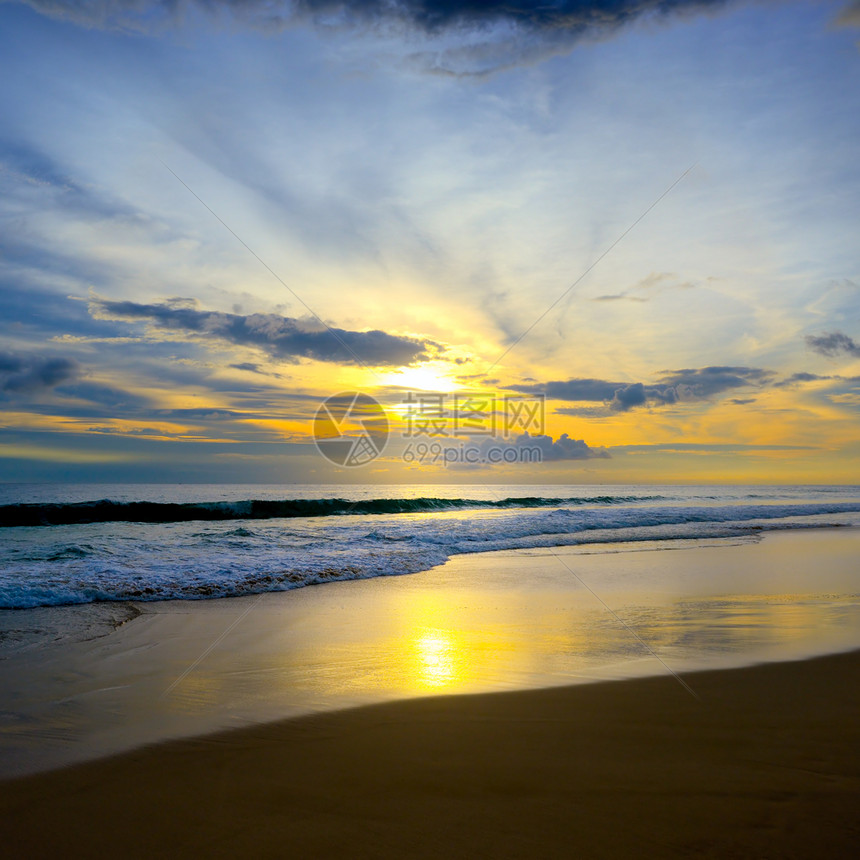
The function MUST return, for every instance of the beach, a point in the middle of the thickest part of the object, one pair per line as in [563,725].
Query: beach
[764,763]
[102,678]
[673,698]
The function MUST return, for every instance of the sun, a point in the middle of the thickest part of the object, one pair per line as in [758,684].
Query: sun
[428,377]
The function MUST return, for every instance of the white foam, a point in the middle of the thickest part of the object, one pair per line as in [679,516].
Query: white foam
[134,561]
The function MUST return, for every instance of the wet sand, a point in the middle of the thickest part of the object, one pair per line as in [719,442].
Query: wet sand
[494,622]
[764,763]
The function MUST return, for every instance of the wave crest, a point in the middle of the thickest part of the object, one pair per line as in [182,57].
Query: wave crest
[107,511]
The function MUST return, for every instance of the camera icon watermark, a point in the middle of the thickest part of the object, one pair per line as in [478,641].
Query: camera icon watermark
[437,429]
[350,429]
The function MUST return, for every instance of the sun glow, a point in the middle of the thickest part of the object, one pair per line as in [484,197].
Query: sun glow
[430,377]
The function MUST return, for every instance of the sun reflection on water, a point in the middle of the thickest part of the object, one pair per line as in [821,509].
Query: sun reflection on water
[438,659]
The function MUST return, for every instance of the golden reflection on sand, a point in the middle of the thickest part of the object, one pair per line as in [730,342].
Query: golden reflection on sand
[427,646]
[445,646]
[499,622]
[438,660]
[477,625]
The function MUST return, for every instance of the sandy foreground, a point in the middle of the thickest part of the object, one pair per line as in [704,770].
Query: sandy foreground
[765,763]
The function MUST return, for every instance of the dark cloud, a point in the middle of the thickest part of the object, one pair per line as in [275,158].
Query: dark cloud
[573,389]
[564,448]
[699,383]
[252,367]
[571,16]
[628,397]
[577,16]
[281,337]
[833,344]
[672,387]
[708,381]
[797,378]
[803,377]
[27,374]
[485,35]
[619,297]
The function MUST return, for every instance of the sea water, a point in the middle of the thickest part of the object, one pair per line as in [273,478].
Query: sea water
[78,544]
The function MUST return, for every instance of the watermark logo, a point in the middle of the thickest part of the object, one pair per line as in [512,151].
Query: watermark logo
[474,415]
[350,429]
[458,430]
[466,455]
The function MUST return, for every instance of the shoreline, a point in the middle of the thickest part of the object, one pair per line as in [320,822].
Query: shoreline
[100,618]
[474,625]
[765,763]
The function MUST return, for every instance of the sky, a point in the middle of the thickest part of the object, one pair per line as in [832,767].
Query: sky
[639,216]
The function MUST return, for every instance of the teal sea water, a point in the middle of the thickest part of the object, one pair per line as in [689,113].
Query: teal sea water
[79,544]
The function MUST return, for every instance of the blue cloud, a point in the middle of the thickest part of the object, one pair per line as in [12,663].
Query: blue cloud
[571,16]
[833,344]
[282,337]
[673,386]
[28,374]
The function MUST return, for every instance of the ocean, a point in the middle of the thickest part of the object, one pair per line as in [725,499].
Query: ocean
[112,633]
[73,544]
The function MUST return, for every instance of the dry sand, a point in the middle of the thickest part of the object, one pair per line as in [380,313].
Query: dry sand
[765,764]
